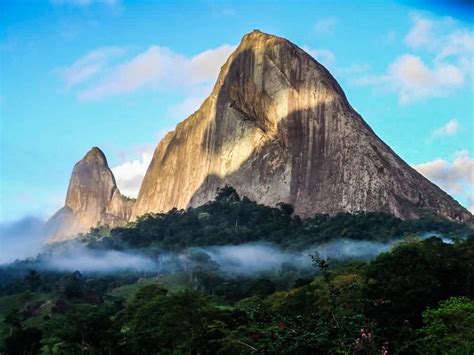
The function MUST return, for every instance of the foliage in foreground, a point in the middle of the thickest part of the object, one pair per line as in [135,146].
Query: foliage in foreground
[416,299]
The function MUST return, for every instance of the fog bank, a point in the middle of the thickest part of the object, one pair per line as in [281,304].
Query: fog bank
[231,260]
[21,239]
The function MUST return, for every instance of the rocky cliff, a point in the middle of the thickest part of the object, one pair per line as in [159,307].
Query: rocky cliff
[278,128]
[92,199]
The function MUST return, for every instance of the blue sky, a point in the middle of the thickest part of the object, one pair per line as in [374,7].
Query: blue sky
[119,74]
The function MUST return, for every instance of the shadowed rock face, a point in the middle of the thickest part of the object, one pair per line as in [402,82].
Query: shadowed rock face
[92,199]
[278,128]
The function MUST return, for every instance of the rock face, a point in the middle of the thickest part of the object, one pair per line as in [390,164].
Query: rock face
[278,128]
[92,199]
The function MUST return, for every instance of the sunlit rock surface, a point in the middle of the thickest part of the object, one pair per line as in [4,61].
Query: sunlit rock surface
[93,199]
[278,128]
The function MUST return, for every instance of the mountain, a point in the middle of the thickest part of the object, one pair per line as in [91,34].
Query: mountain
[92,199]
[279,128]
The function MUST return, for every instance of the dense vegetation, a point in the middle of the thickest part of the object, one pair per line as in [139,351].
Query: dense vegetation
[230,219]
[415,299]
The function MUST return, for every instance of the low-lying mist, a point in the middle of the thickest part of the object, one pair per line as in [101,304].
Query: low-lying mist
[21,239]
[231,260]
[25,240]
[74,255]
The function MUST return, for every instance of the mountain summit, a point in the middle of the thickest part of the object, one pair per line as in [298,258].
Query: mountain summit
[92,199]
[278,128]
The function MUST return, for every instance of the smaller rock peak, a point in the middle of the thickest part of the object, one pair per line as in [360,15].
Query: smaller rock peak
[95,153]
[258,36]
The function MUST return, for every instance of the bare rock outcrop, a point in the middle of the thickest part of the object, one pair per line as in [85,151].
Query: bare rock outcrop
[278,128]
[93,199]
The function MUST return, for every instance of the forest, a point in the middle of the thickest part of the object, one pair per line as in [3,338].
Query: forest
[414,297]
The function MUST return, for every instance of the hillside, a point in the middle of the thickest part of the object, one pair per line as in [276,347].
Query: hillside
[231,219]
[411,300]
[278,128]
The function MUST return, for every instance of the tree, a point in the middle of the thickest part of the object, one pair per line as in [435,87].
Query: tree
[13,319]
[449,329]
[227,193]
[33,279]
[86,329]
[24,341]
[262,287]
[320,263]
[168,323]
[286,208]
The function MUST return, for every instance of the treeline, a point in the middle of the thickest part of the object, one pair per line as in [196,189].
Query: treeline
[416,299]
[230,219]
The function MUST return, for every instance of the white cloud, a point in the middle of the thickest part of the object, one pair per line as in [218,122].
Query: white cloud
[324,56]
[460,42]
[325,25]
[470,203]
[456,177]
[443,38]
[158,68]
[450,65]
[421,33]
[129,175]
[186,107]
[88,66]
[205,66]
[414,80]
[142,70]
[450,128]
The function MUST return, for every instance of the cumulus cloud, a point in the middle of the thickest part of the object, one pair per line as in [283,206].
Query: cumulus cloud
[157,68]
[142,70]
[458,43]
[325,25]
[440,36]
[450,50]
[186,107]
[414,80]
[450,128]
[129,175]
[88,66]
[421,33]
[456,177]
[205,66]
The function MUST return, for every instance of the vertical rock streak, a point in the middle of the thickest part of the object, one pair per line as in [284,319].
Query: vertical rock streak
[279,128]
[92,199]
